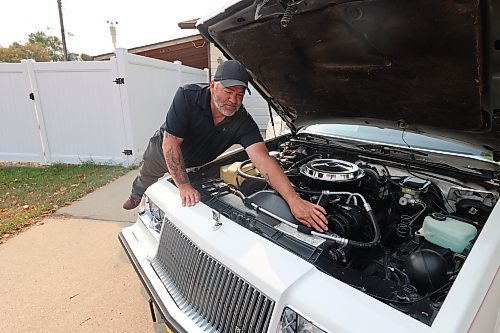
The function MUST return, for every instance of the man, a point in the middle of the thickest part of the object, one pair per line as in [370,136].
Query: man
[204,121]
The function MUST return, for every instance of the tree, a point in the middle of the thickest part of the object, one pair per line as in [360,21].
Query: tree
[52,44]
[41,48]
[35,51]
[16,52]
[7,55]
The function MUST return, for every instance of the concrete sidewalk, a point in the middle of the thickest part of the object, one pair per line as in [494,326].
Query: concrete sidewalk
[105,203]
[70,273]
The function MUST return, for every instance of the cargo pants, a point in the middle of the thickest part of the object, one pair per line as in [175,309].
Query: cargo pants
[153,166]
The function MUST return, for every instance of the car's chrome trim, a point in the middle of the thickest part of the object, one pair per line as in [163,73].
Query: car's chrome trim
[146,282]
[213,296]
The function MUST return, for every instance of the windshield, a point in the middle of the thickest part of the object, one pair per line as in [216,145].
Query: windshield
[376,135]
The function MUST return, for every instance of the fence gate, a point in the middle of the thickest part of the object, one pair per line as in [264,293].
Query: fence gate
[19,127]
[72,112]
[82,119]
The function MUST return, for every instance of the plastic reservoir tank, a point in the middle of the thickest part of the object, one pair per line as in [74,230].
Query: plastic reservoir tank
[447,232]
[229,174]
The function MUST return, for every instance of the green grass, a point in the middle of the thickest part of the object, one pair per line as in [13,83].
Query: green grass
[28,193]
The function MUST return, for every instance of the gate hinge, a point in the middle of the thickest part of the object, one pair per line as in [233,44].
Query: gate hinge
[127,152]
[119,80]
[32,96]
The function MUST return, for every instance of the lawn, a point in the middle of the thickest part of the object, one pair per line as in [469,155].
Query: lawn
[28,193]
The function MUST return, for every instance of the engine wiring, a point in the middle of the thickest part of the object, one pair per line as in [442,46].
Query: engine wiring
[376,214]
[441,289]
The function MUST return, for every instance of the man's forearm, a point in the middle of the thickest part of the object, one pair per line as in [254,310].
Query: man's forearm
[278,180]
[304,211]
[175,163]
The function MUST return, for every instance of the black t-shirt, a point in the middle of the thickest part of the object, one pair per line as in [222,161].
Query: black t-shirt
[190,118]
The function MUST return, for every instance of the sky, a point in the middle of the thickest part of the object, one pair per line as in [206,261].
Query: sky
[140,22]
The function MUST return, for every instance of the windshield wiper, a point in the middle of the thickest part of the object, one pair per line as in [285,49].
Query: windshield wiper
[394,151]
[424,159]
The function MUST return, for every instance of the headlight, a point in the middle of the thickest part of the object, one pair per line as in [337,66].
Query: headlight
[155,213]
[292,322]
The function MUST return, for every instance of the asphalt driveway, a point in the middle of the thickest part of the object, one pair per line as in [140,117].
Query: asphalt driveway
[69,273]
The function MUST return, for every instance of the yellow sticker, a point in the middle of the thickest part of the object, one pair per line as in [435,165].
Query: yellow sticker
[168,330]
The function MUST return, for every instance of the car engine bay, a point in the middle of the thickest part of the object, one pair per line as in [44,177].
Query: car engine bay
[398,234]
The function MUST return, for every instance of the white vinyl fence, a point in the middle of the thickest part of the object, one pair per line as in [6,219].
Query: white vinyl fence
[101,111]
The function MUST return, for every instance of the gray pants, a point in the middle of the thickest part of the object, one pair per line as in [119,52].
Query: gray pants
[153,167]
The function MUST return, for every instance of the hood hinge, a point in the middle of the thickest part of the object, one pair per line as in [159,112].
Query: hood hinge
[283,114]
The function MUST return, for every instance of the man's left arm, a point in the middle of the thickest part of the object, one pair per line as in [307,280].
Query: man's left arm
[304,211]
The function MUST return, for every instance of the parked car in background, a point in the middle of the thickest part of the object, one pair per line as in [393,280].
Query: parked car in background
[392,110]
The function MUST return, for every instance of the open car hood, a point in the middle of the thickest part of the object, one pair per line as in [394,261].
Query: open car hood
[426,65]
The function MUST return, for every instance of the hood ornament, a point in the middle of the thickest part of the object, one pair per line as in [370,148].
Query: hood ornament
[216,217]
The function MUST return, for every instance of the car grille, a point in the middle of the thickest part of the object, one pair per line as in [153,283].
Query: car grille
[214,297]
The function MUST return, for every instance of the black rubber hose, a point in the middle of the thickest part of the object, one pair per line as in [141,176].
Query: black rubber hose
[304,160]
[310,231]
[376,238]
[311,192]
[371,216]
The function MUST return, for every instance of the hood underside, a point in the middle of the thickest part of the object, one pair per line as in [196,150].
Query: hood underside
[422,65]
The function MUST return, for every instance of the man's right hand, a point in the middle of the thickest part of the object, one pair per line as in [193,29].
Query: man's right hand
[189,195]
[175,164]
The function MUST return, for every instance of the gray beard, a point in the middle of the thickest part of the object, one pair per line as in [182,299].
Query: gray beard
[220,107]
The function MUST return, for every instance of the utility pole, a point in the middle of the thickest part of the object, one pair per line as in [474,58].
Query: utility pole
[63,35]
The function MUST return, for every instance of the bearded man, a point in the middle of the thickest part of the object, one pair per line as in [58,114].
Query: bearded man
[203,121]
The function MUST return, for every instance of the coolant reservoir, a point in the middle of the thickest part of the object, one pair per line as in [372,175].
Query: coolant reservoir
[229,173]
[447,232]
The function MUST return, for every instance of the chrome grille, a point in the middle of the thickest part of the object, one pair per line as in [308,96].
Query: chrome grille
[214,297]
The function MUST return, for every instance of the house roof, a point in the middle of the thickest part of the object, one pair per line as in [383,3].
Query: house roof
[193,39]
[192,51]
[189,24]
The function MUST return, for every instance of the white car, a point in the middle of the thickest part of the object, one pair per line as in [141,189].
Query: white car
[393,110]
